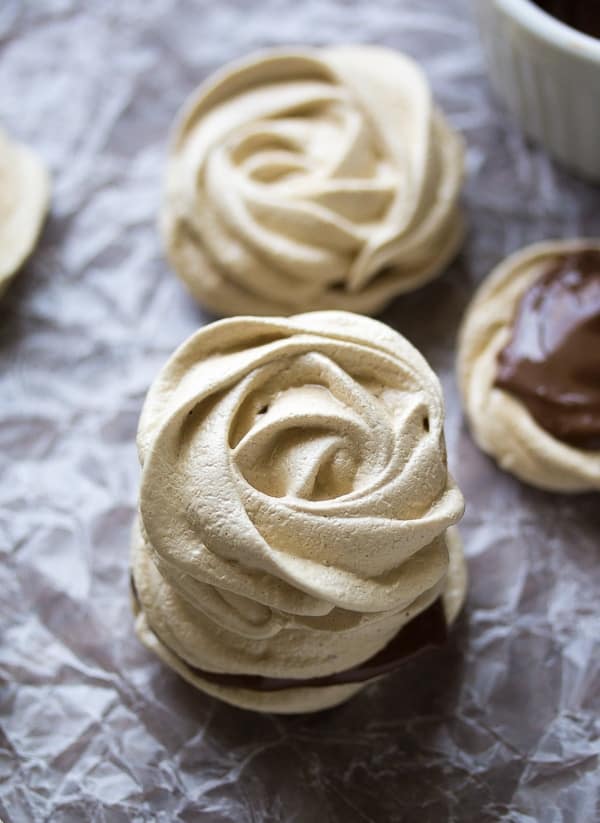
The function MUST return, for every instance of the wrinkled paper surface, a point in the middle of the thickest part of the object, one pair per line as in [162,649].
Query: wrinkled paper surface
[504,723]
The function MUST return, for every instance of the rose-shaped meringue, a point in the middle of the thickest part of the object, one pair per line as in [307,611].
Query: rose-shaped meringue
[312,179]
[501,424]
[24,194]
[294,502]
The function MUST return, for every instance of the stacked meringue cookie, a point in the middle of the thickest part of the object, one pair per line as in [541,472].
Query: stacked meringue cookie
[312,179]
[294,504]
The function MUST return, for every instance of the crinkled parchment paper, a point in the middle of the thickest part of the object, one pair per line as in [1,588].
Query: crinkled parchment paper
[504,723]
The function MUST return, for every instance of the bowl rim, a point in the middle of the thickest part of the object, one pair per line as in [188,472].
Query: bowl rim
[551,29]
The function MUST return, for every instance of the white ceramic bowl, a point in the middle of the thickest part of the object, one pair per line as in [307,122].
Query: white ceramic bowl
[549,76]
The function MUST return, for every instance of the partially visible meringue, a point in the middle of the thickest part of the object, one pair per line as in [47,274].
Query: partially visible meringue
[312,179]
[294,503]
[24,196]
[501,424]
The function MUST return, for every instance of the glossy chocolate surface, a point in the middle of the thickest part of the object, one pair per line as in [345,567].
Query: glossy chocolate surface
[552,361]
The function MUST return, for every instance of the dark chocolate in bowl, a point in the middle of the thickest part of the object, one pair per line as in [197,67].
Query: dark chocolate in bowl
[583,15]
[552,360]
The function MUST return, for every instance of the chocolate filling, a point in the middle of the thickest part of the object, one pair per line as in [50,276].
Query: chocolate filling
[552,361]
[583,15]
[427,629]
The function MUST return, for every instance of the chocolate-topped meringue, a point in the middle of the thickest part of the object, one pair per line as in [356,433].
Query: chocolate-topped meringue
[552,361]
[24,195]
[529,365]
[312,179]
[294,506]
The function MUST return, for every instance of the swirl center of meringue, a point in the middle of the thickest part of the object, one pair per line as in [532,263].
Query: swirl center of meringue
[305,442]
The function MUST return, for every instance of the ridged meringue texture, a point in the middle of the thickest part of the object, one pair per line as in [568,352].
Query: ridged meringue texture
[24,195]
[501,424]
[294,503]
[312,179]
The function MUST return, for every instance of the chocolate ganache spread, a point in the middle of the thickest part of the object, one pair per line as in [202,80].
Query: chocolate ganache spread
[552,361]
[583,15]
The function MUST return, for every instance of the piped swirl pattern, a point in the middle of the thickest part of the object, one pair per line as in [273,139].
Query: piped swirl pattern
[313,179]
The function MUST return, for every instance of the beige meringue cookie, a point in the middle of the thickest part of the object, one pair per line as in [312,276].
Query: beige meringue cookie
[501,425]
[294,503]
[312,179]
[24,195]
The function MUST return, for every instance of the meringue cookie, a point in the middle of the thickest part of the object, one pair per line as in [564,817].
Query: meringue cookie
[24,195]
[312,179]
[501,424]
[294,503]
